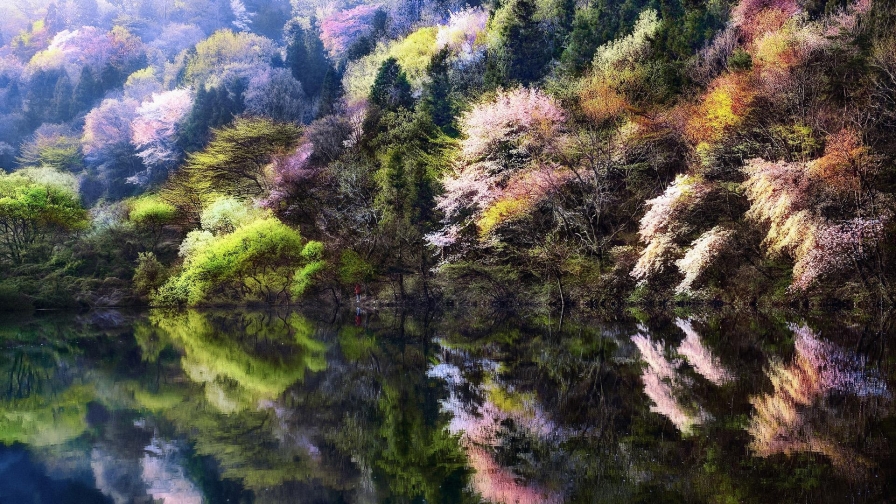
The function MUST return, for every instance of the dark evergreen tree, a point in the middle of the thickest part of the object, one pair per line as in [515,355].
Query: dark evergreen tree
[318,64]
[297,52]
[330,92]
[111,77]
[61,108]
[524,43]
[391,89]
[87,90]
[307,58]
[40,95]
[53,20]
[436,101]
[212,108]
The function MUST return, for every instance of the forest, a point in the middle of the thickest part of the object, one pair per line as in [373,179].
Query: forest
[562,153]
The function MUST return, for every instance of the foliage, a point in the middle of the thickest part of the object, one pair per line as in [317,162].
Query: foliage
[277,95]
[149,274]
[53,147]
[503,171]
[152,214]
[234,163]
[225,53]
[155,130]
[342,28]
[31,211]
[256,262]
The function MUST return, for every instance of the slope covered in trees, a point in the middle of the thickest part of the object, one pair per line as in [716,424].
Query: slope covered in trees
[239,151]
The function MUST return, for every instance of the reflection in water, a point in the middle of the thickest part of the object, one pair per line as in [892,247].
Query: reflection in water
[662,382]
[256,407]
[805,414]
[698,356]
[164,475]
[242,360]
[480,428]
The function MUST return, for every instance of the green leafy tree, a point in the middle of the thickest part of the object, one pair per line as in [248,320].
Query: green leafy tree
[524,50]
[234,163]
[32,211]
[391,89]
[152,214]
[257,262]
[407,184]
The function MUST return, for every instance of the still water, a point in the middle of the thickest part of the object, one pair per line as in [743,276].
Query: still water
[318,407]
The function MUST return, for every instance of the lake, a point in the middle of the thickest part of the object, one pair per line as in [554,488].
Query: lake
[463,406]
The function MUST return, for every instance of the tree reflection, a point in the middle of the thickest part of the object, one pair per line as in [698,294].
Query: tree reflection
[806,412]
[246,406]
[663,382]
[242,359]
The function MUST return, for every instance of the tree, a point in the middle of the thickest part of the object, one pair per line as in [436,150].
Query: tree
[107,146]
[391,89]
[263,260]
[155,131]
[437,100]
[277,95]
[406,188]
[212,108]
[523,43]
[226,53]
[53,146]
[234,163]
[87,90]
[31,211]
[341,29]
[62,108]
[153,214]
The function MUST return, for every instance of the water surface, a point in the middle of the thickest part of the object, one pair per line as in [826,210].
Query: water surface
[314,406]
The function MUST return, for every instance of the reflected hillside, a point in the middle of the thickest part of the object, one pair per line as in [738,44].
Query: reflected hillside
[287,406]
[240,359]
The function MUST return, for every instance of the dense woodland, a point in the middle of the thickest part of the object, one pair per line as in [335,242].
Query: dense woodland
[585,152]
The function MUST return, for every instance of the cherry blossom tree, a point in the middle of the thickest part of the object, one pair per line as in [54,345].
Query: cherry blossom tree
[504,168]
[155,129]
[343,27]
[664,222]
[462,35]
[786,197]
[703,252]
[176,37]
[106,142]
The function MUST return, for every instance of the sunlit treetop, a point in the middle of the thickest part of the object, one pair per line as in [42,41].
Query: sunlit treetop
[225,51]
[412,53]
[464,35]
[505,169]
[88,46]
[176,37]
[341,28]
[154,131]
[785,197]
[107,129]
[630,49]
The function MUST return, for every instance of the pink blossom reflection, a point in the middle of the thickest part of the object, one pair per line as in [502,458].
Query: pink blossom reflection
[799,416]
[479,429]
[699,357]
[661,382]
